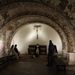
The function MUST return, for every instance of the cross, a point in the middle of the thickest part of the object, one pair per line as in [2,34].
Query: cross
[37,27]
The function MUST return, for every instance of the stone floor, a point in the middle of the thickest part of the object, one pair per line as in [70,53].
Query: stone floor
[28,68]
[33,67]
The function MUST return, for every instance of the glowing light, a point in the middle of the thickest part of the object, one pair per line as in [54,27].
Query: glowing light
[26,35]
[31,36]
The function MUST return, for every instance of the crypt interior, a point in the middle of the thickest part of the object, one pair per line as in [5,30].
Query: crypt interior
[31,23]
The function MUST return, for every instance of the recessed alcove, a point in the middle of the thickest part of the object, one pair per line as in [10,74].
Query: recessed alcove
[27,35]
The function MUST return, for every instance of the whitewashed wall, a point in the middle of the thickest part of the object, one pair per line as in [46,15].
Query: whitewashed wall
[26,35]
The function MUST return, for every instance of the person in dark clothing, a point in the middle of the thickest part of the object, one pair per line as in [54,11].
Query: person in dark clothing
[50,48]
[16,50]
[51,52]
[11,51]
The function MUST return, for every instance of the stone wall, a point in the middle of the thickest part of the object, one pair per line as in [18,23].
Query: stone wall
[17,14]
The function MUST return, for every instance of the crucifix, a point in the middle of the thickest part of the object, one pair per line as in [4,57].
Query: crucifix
[37,28]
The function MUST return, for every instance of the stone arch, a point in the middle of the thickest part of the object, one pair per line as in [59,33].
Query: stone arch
[15,11]
[35,19]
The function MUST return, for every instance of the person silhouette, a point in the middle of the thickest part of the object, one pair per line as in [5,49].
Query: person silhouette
[11,51]
[37,50]
[16,51]
[51,51]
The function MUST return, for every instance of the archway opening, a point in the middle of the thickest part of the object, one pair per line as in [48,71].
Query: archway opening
[27,35]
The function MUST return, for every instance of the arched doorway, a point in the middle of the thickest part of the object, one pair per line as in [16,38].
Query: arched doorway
[26,35]
[28,14]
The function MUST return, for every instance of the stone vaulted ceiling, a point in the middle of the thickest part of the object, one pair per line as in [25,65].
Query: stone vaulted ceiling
[59,14]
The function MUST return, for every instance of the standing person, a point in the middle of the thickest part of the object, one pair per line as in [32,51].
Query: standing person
[37,50]
[16,51]
[11,51]
[50,53]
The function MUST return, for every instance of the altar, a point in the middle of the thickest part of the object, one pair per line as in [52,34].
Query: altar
[37,49]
